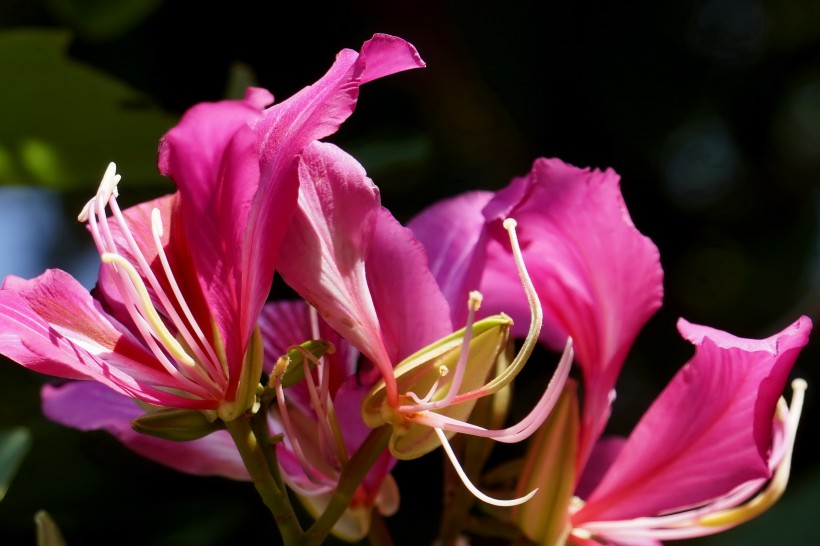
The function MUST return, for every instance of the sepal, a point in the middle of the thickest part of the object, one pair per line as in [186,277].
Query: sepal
[548,466]
[177,425]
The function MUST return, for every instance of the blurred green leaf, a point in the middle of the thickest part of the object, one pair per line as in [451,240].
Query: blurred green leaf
[48,534]
[240,77]
[102,19]
[63,122]
[14,444]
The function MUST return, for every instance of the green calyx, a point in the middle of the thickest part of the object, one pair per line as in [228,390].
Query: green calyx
[178,425]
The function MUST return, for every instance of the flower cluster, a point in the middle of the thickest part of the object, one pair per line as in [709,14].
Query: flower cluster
[400,334]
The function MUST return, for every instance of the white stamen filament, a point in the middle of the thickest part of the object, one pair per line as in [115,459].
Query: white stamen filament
[290,430]
[196,340]
[474,302]
[148,311]
[524,428]
[328,418]
[422,402]
[723,513]
[138,301]
[130,297]
[168,307]
[469,484]
[324,380]
[556,385]
[328,444]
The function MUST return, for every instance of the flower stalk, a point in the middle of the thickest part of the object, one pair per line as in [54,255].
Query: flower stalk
[354,472]
[274,496]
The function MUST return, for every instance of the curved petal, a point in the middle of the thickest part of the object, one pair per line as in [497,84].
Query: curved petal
[87,405]
[52,325]
[709,431]
[212,157]
[234,165]
[598,278]
[348,257]
[452,232]
[606,450]
[286,128]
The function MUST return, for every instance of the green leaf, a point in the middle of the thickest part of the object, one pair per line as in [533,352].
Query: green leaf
[14,444]
[63,122]
[102,19]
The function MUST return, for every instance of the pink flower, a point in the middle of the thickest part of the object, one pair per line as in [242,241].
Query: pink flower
[318,409]
[184,278]
[712,451]
[372,284]
[598,278]
[710,442]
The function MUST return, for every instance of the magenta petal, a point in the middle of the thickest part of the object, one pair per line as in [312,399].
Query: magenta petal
[348,403]
[52,325]
[87,405]
[383,55]
[286,128]
[452,232]
[318,110]
[212,156]
[411,308]
[598,278]
[365,274]
[709,430]
[606,450]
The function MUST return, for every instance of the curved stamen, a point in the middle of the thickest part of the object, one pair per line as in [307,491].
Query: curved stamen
[138,302]
[287,423]
[510,372]
[156,327]
[524,428]
[331,445]
[196,340]
[536,315]
[469,485]
[423,402]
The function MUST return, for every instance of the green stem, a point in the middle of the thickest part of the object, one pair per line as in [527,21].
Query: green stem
[274,496]
[354,472]
[259,426]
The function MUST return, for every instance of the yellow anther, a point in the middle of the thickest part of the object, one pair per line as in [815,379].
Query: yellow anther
[474,300]
[281,366]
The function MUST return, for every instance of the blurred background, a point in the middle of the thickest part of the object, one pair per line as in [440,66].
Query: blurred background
[708,109]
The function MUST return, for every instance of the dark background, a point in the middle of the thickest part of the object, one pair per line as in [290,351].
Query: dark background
[709,110]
